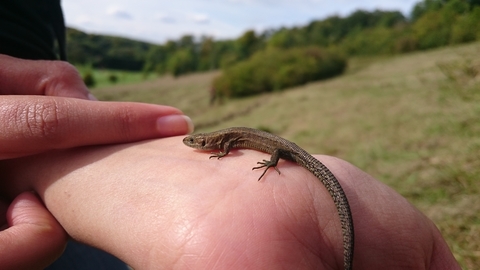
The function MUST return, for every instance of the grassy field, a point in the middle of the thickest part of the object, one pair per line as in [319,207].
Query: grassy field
[412,121]
[105,78]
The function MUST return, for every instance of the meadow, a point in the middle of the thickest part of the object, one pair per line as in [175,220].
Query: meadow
[412,121]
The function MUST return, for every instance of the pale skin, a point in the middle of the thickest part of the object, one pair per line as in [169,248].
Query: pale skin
[44,105]
[161,205]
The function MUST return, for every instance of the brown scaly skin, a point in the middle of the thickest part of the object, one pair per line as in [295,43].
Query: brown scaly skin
[241,137]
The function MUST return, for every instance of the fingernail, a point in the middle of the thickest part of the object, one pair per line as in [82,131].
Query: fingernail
[92,97]
[190,125]
[171,125]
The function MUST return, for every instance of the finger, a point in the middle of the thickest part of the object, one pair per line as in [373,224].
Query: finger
[34,239]
[40,77]
[35,124]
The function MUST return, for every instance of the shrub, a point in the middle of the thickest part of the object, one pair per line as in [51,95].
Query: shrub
[113,78]
[431,31]
[88,79]
[181,62]
[371,41]
[277,69]
[404,44]
[467,27]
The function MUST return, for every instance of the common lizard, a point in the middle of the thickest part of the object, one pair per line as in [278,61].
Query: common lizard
[241,137]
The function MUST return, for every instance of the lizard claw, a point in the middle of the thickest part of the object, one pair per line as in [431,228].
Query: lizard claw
[217,155]
[268,164]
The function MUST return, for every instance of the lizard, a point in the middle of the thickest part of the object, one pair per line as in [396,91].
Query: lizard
[242,137]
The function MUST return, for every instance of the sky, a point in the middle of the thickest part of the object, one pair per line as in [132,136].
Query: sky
[157,21]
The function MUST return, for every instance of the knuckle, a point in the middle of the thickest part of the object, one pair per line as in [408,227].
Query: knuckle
[41,120]
[62,69]
[61,76]
[127,119]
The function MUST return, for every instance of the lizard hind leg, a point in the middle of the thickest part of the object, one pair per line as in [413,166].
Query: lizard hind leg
[267,164]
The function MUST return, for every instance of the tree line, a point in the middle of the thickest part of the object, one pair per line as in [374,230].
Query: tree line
[430,24]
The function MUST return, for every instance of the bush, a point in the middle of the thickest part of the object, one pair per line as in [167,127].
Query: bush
[467,27]
[404,44]
[181,62]
[88,79]
[113,78]
[277,69]
[431,31]
[371,41]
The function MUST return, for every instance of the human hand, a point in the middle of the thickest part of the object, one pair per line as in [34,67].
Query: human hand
[44,107]
[41,77]
[159,204]
[31,237]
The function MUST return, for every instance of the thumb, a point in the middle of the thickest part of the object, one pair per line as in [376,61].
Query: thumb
[40,77]
[34,239]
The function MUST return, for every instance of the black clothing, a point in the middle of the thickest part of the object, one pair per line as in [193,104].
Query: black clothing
[35,29]
[32,29]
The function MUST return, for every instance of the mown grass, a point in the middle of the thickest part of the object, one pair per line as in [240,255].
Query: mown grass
[412,121]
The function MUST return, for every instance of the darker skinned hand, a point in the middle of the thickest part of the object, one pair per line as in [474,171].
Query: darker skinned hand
[44,105]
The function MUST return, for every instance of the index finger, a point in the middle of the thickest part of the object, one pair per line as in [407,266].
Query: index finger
[33,124]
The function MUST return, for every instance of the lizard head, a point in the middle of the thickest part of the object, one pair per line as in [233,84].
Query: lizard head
[198,141]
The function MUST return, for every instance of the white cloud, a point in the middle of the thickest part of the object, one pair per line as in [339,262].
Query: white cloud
[84,20]
[200,18]
[164,18]
[119,13]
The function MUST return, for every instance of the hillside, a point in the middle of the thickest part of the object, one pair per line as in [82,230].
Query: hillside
[430,24]
[412,121]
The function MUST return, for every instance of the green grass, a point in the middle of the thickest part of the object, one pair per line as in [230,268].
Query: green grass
[412,121]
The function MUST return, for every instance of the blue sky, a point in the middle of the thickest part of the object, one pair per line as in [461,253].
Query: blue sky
[157,21]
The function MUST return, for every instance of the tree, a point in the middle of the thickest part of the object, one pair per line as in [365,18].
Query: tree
[455,7]
[474,3]
[431,30]
[247,44]
[181,62]
[423,7]
[156,60]
[288,38]
[467,27]
[207,56]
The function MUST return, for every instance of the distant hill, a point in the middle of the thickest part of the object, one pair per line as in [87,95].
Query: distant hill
[431,24]
[106,51]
